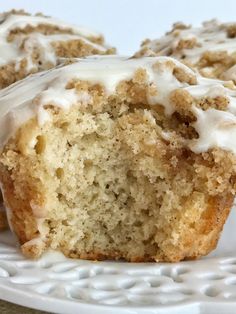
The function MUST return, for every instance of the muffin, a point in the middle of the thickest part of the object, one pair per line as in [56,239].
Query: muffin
[30,44]
[209,49]
[118,158]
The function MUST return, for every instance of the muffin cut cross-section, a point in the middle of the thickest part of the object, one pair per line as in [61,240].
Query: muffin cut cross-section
[33,43]
[111,157]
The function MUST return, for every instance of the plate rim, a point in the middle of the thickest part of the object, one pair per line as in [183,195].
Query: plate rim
[34,300]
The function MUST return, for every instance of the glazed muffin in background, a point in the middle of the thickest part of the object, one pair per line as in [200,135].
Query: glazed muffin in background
[33,43]
[209,49]
[115,157]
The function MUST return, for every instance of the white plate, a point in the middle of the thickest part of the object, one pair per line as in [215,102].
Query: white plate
[61,285]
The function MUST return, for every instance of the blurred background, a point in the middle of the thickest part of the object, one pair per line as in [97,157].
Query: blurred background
[125,23]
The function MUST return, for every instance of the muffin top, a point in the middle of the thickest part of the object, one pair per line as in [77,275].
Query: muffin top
[209,49]
[31,43]
[204,106]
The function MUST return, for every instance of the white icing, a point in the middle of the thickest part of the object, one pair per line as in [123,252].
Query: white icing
[27,98]
[21,21]
[17,102]
[165,82]
[212,36]
[12,51]
[216,129]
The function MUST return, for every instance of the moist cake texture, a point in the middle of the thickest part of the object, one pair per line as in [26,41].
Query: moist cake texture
[114,157]
[32,43]
[209,49]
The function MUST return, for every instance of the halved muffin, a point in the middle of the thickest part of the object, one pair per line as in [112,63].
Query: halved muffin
[30,44]
[112,157]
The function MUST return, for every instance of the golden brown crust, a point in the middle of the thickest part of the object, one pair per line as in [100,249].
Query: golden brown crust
[100,181]
[3,221]
[21,219]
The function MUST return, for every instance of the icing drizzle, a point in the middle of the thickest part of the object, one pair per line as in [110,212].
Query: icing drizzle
[211,36]
[12,50]
[216,128]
